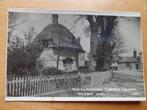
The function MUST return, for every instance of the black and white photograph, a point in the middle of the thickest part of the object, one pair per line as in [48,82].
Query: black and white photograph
[74,56]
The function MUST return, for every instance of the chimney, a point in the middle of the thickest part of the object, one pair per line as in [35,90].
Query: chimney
[55,19]
[135,53]
[78,39]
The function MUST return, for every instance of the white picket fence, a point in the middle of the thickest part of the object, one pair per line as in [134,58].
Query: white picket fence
[53,85]
[44,85]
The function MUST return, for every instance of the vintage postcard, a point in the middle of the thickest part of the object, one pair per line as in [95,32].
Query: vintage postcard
[74,56]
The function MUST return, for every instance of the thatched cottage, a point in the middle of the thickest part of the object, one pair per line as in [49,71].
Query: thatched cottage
[61,49]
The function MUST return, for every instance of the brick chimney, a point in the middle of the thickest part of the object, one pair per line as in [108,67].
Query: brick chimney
[135,53]
[78,39]
[55,19]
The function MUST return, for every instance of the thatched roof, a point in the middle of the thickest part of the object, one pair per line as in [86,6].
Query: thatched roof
[60,36]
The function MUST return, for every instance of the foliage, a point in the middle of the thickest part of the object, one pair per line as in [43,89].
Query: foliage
[29,34]
[51,71]
[101,33]
[22,57]
[104,40]
[13,23]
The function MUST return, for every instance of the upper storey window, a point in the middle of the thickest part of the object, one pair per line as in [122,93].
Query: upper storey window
[47,43]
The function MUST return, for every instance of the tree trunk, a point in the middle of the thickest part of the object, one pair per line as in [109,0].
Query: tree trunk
[93,47]
[100,49]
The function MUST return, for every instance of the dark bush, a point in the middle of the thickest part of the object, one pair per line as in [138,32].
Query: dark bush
[52,71]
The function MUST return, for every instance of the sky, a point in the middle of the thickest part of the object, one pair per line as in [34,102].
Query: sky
[129,28]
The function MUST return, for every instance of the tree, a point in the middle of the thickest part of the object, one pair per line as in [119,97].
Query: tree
[29,34]
[15,55]
[119,41]
[22,57]
[101,30]
[13,23]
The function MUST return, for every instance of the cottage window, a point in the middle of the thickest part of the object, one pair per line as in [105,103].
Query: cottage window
[45,43]
[68,64]
[68,67]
